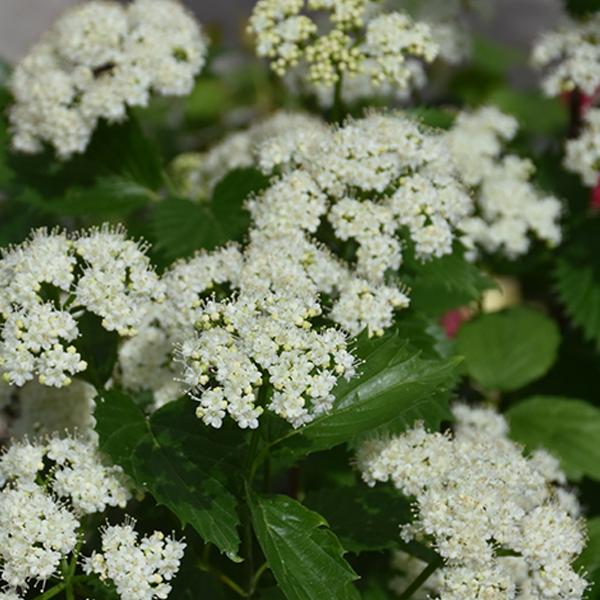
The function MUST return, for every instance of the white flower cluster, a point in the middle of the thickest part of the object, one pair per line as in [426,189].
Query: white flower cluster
[198,174]
[510,208]
[99,270]
[356,42]
[502,523]
[444,20]
[97,60]
[583,153]
[266,332]
[141,569]
[571,57]
[372,178]
[45,488]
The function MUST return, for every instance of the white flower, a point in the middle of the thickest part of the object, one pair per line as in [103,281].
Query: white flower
[570,56]
[140,568]
[46,282]
[583,152]
[475,493]
[510,208]
[97,60]
[39,515]
[281,132]
[357,41]
[35,533]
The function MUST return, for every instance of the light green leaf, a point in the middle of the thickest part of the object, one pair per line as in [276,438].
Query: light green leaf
[507,350]
[395,386]
[579,290]
[533,111]
[305,556]
[568,428]
[590,559]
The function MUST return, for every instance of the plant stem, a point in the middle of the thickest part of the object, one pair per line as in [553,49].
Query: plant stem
[230,583]
[53,591]
[338,103]
[422,578]
[256,578]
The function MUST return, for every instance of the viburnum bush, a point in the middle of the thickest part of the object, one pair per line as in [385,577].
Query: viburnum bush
[318,319]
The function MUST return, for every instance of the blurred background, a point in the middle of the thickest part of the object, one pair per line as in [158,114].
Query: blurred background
[22,21]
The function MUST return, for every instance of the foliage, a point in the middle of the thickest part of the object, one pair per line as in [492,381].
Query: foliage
[279,512]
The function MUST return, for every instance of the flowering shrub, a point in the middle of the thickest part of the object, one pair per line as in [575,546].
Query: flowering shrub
[271,327]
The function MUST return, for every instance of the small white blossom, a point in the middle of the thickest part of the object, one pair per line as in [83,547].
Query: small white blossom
[570,56]
[140,568]
[510,208]
[45,489]
[97,60]
[48,279]
[583,152]
[289,34]
[475,493]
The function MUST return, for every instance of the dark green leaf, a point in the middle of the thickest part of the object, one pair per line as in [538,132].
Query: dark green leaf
[507,350]
[184,465]
[579,290]
[181,226]
[568,428]
[120,425]
[582,7]
[446,283]
[98,347]
[230,195]
[363,518]
[123,149]
[305,556]
[109,195]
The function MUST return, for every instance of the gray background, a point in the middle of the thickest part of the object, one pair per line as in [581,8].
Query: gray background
[22,21]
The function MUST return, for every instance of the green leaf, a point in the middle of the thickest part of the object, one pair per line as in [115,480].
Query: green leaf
[579,291]
[305,556]
[395,387]
[590,559]
[582,7]
[208,101]
[125,150]
[568,428]
[446,283]
[120,425]
[184,465]
[181,226]
[491,57]
[507,350]
[98,347]
[111,195]
[440,118]
[534,112]
[363,518]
